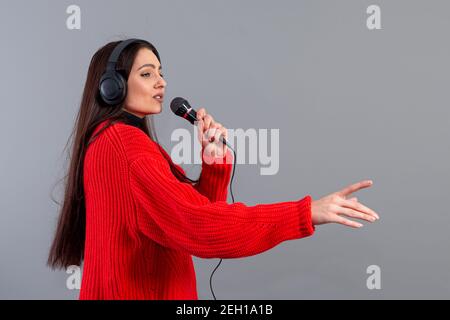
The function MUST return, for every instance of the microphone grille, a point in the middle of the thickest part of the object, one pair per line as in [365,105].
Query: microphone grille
[177,106]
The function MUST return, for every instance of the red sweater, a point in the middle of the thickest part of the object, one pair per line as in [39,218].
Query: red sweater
[143,226]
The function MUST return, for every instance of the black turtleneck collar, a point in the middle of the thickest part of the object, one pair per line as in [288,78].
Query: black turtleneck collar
[134,120]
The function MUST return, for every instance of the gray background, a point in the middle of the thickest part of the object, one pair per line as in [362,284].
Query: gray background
[350,104]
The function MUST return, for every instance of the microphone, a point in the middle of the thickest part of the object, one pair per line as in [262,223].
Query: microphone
[183,109]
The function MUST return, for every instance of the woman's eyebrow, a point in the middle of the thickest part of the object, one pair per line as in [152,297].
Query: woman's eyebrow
[149,65]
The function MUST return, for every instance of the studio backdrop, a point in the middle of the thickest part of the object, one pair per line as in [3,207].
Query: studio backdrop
[329,92]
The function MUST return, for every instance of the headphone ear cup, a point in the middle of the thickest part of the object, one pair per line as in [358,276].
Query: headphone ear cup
[112,88]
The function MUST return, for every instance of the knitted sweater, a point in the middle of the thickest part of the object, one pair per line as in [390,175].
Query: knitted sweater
[143,225]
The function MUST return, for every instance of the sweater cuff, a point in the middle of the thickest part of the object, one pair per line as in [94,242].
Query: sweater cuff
[306,226]
[296,222]
[224,161]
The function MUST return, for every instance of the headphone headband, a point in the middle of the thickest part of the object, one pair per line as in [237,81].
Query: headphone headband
[112,61]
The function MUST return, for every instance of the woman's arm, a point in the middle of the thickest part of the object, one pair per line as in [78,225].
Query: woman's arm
[176,215]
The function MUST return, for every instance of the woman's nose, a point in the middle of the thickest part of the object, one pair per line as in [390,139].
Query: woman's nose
[161,82]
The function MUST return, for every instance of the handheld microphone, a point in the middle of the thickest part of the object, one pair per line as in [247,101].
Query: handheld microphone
[183,109]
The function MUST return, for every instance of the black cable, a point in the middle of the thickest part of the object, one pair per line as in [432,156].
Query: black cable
[232,198]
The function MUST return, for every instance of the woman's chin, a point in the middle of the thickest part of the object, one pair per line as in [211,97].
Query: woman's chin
[155,109]
[158,109]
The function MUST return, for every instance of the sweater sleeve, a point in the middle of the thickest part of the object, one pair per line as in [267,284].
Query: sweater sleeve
[176,215]
[215,177]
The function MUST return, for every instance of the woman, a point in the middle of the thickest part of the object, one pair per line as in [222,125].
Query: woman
[133,216]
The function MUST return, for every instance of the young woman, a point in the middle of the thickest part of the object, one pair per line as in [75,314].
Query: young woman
[134,218]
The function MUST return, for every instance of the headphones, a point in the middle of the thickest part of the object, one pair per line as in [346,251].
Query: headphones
[113,86]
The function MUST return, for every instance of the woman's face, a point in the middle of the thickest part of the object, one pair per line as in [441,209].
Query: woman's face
[145,92]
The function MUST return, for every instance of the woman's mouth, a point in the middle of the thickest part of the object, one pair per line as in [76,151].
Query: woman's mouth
[159,98]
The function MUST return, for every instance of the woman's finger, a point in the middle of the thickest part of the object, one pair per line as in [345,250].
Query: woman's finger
[217,134]
[355,187]
[217,126]
[218,143]
[208,121]
[205,137]
[210,134]
[200,125]
[222,129]
[356,214]
[201,114]
[353,199]
[360,207]
[224,132]
[210,150]
[346,222]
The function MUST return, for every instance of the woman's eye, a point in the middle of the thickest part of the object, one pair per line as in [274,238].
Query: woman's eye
[150,75]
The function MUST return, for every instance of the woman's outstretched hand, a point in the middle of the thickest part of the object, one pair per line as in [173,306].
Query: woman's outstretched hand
[331,208]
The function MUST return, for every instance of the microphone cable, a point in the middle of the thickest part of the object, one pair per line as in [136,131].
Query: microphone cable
[183,109]
[232,198]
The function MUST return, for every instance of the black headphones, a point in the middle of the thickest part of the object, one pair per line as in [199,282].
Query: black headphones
[113,86]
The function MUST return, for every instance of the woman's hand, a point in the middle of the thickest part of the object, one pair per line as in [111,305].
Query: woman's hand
[330,209]
[209,132]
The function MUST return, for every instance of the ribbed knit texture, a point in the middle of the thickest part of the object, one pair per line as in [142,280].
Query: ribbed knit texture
[143,226]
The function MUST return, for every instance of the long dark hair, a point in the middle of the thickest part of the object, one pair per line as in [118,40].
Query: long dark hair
[68,244]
